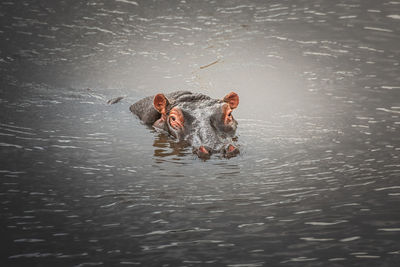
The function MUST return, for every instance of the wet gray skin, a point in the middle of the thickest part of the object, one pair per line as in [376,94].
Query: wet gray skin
[204,123]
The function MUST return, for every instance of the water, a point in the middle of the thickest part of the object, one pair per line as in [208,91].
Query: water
[84,183]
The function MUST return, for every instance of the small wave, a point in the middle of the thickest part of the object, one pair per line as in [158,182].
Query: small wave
[348,239]
[313,239]
[326,223]
[250,224]
[29,240]
[389,229]
[128,2]
[378,29]
[395,16]
[10,145]
[387,188]
[172,231]
[254,264]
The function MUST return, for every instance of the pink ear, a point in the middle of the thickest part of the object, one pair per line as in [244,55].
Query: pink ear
[160,103]
[232,99]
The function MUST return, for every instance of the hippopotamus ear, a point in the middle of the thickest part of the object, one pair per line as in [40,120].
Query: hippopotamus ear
[232,99]
[160,103]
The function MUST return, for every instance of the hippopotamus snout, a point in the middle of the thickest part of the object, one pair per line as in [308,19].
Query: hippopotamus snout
[206,124]
[205,152]
[207,141]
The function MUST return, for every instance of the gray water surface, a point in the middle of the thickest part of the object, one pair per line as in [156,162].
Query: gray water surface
[317,182]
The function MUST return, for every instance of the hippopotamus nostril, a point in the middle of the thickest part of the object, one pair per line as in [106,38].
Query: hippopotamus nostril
[203,153]
[231,151]
[203,150]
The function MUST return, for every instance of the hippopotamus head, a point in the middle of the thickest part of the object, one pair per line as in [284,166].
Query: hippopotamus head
[206,124]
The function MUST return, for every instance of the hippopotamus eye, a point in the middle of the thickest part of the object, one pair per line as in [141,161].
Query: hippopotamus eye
[176,119]
[226,114]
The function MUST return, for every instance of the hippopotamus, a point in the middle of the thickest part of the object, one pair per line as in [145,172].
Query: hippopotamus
[204,123]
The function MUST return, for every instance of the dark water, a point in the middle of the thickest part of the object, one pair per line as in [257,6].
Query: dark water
[84,183]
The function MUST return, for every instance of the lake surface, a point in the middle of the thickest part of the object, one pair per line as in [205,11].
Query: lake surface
[317,182]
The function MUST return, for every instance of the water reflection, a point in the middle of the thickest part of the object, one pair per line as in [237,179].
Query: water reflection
[165,146]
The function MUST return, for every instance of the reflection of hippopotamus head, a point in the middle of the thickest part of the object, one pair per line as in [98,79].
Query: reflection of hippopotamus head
[205,123]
